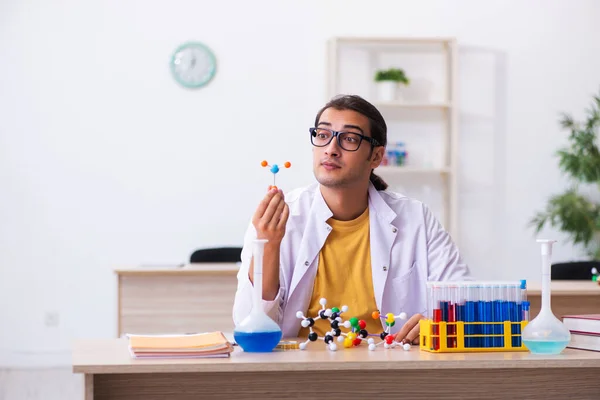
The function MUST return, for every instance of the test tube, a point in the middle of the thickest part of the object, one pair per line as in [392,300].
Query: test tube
[526,306]
[437,315]
[444,301]
[470,314]
[452,300]
[514,292]
[480,315]
[487,315]
[460,302]
[523,290]
[522,298]
[497,299]
[429,302]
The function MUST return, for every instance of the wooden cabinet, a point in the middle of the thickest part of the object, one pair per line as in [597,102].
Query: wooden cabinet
[195,298]
[568,297]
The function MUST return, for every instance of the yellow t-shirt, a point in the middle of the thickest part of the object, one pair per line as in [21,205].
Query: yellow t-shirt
[344,276]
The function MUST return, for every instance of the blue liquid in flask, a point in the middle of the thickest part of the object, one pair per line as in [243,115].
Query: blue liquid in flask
[257,342]
[546,346]
[257,332]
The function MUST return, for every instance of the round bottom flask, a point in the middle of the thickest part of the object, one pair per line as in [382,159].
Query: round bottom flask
[257,333]
[546,334]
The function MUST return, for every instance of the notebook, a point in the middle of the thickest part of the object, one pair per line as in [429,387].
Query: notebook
[197,345]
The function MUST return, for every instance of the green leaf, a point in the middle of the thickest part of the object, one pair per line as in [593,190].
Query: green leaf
[392,74]
[579,160]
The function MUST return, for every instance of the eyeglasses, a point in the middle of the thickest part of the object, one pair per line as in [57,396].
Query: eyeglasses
[348,141]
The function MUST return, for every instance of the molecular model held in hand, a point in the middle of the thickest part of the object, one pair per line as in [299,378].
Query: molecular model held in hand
[274,170]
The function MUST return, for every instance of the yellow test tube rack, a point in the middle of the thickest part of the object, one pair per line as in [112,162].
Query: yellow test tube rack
[442,342]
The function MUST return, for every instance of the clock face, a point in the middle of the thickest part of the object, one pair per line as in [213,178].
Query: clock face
[193,65]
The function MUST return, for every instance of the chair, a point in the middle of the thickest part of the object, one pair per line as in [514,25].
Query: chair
[579,270]
[217,255]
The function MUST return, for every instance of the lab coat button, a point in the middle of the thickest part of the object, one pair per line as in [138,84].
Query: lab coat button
[394,230]
[385,268]
[306,263]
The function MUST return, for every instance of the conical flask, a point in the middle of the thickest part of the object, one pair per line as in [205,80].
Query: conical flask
[257,332]
[546,334]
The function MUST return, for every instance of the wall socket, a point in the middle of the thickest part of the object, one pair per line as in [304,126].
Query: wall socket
[52,319]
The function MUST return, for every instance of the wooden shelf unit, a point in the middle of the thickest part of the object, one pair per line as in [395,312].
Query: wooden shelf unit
[445,49]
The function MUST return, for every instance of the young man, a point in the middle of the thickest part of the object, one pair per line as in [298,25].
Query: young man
[346,238]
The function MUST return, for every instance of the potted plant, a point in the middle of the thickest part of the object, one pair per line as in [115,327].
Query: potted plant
[574,211]
[388,81]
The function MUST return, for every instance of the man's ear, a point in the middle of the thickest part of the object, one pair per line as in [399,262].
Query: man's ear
[377,156]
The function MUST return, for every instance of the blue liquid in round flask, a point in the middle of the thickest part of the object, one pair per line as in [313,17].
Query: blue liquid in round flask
[257,333]
[546,334]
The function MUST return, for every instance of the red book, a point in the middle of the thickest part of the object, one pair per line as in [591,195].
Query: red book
[585,323]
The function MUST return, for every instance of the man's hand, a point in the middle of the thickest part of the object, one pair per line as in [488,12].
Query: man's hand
[409,333]
[271,216]
[270,220]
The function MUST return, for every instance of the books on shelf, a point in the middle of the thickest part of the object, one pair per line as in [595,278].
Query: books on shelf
[585,331]
[197,345]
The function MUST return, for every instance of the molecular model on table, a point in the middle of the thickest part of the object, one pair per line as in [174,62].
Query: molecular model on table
[274,170]
[353,338]
[388,340]
[334,314]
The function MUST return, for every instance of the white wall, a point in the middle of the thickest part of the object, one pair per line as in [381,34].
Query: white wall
[106,162]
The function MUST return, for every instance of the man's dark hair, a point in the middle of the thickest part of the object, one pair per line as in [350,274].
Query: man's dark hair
[377,124]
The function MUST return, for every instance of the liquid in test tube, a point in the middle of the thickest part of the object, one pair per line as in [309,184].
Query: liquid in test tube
[437,316]
[452,300]
[515,293]
[487,315]
[470,314]
[498,305]
[480,315]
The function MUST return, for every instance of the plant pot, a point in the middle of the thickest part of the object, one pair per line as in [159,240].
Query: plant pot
[387,90]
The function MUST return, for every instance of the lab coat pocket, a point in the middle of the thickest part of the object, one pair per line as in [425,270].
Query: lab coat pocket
[402,287]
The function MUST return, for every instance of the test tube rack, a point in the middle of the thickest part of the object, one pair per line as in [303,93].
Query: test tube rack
[474,317]
[434,337]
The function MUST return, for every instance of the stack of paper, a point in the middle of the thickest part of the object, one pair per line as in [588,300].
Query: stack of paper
[201,345]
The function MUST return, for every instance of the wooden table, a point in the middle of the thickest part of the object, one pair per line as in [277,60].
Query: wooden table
[568,297]
[192,298]
[354,373]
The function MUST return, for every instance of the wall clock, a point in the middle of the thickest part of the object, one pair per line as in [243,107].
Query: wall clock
[193,65]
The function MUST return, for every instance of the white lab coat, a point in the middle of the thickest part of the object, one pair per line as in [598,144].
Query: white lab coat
[408,247]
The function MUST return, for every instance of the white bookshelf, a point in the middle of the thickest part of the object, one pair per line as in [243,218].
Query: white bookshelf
[424,118]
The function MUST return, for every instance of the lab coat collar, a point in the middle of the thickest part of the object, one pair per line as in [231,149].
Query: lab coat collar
[382,236]
[321,211]
[379,207]
[315,234]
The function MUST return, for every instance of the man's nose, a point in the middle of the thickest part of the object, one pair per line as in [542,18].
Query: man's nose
[333,148]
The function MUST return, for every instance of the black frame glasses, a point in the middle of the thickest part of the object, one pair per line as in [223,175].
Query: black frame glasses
[340,136]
